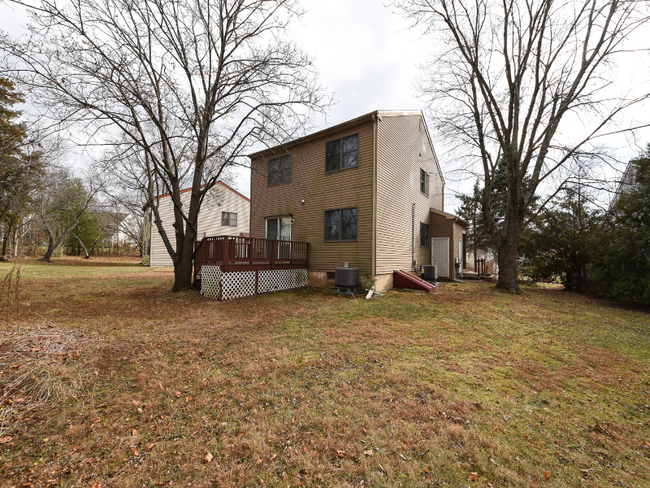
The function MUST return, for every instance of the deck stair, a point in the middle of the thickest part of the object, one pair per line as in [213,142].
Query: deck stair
[404,279]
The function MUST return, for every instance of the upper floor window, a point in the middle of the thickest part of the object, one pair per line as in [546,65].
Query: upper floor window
[279,170]
[341,225]
[342,153]
[229,218]
[424,182]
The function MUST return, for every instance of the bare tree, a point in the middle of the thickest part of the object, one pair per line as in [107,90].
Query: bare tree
[190,84]
[61,202]
[529,82]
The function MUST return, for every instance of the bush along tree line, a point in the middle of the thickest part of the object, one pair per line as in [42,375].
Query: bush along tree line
[573,242]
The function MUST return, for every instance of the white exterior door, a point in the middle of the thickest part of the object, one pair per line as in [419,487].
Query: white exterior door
[440,255]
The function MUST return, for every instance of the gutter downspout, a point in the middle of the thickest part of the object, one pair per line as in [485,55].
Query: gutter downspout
[413,239]
[374,198]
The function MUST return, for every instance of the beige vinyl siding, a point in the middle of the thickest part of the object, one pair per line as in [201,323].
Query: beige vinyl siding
[219,199]
[403,148]
[321,191]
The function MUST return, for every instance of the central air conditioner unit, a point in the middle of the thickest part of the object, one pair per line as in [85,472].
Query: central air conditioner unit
[346,280]
[429,272]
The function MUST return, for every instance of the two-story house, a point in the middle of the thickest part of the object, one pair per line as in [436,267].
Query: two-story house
[224,211]
[368,192]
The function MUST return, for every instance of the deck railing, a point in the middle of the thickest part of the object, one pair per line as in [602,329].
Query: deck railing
[248,253]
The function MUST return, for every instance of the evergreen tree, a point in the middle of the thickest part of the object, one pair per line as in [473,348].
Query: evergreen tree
[485,233]
[621,256]
[20,170]
[557,243]
[470,212]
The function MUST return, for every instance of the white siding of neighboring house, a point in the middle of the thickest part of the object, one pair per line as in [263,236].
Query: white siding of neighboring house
[122,237]
[220,199]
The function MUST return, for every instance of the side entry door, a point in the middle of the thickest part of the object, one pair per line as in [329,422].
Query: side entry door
[440,255]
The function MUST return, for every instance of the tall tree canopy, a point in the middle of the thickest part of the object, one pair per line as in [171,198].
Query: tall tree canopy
[524,81]
[20,166]
[188,85]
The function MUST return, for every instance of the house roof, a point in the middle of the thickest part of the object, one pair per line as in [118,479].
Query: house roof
[146,205]
[350,123]
[343,125]
[449,216]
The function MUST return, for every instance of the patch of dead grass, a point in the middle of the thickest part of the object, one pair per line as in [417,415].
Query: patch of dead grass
[304,388]
[40,369]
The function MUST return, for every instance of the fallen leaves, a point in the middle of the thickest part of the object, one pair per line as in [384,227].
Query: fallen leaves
[208,457]
[6,439]
[473,476]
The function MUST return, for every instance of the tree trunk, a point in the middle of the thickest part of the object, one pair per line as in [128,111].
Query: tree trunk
[87,255]
[509,252]
[508,264]
[51,247]
[183,267]
[92,249]
[3,257]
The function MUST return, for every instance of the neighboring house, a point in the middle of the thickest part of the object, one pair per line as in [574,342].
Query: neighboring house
[128,229]
[627,183]
[368,192]
[224,212]
[115,225]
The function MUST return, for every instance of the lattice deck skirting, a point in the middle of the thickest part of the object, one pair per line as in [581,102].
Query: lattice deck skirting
[217,285]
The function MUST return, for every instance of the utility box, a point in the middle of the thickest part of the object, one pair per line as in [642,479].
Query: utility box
[429,272]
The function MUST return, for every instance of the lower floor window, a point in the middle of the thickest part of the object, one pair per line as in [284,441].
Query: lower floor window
[424,234]
[229,218]
[341,224]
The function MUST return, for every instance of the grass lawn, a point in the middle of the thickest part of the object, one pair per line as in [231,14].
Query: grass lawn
[111,381]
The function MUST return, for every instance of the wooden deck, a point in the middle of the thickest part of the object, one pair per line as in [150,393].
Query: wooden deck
[234,253]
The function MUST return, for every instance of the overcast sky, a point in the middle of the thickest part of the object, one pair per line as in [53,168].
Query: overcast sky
[369,59]
[366,56]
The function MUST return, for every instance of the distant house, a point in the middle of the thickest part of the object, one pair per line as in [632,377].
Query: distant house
[224,212]
[627,182]
[368,192]
[119,227]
